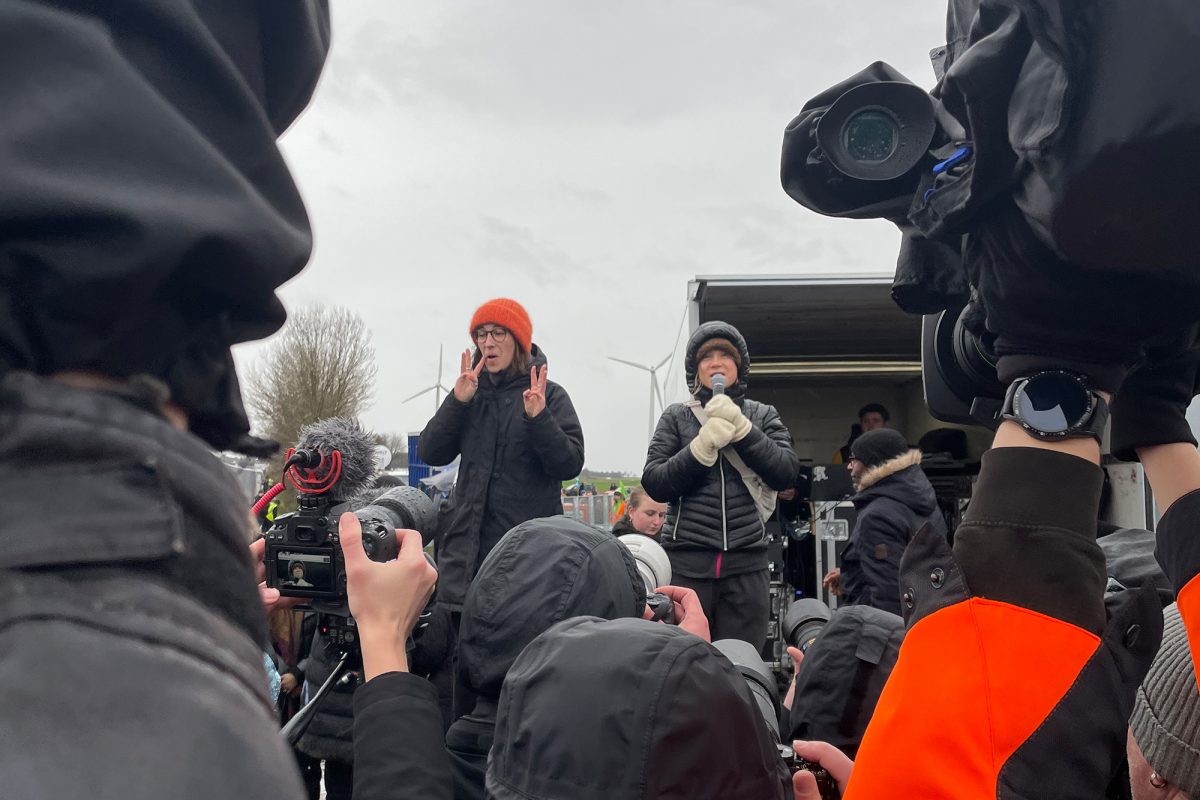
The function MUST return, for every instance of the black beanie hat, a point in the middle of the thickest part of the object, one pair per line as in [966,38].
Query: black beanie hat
[875,447]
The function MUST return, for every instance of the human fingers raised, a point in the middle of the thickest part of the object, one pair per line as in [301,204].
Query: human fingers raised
[535,395]
[468,379]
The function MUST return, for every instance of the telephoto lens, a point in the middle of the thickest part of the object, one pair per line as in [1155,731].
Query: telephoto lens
[804,621]
[398,507]
[761,682]
[652,562]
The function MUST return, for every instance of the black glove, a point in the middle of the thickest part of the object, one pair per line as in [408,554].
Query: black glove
[1150,409]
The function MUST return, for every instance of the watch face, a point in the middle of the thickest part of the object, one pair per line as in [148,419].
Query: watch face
[1052,402]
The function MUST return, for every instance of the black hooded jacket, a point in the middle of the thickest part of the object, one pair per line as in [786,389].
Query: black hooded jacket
[710,510]
[542,572]
[146,230]
[630,710]
[895,500]
[133,633]
[511,471]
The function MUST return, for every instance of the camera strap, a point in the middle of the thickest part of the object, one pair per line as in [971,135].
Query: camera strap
[764,496]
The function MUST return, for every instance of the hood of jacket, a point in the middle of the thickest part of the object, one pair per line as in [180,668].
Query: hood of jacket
[601,709]
[542,571]
[509,378]
[900,479]
[161,241]
[716,330]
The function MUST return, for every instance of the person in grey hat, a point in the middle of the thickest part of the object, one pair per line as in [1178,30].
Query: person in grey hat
[1164,730]
[894,501]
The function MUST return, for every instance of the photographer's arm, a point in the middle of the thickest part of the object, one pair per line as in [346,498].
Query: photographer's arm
[398,751]
[1174,473]
[1149,423]
[1036,689]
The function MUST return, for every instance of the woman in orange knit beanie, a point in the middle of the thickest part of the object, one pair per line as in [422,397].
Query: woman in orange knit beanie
[518,436]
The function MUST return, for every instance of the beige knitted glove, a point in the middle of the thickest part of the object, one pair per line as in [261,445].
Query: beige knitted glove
[714,434]
[721,407]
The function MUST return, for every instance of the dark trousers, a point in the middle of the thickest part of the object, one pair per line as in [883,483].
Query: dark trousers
[339,780]
[737,606]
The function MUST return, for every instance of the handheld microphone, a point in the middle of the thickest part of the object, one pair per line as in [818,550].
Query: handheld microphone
[718,382]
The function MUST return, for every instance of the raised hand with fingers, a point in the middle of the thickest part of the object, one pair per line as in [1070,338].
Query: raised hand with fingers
[535,395]
[468,379]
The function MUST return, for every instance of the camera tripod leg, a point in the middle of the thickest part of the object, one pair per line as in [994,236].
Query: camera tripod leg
[298,724]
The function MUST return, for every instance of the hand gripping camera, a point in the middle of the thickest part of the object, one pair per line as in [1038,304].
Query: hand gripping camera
[331,465]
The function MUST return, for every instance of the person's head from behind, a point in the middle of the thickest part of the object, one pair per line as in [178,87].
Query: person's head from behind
[628,709]
[541,572]
[646,514]
[1163,745]
[873,416]
[503,335]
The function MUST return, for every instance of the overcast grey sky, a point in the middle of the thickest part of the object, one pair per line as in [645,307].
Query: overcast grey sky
[586,157]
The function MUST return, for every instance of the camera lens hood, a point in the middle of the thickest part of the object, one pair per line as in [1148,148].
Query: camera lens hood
[803,620]
[757,676]
[652,562]
[902,113]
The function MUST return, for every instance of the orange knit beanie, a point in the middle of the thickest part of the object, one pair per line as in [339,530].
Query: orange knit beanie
[508,314]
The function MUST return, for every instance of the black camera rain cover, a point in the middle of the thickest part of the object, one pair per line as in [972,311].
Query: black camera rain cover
[1084,114]
[812,181]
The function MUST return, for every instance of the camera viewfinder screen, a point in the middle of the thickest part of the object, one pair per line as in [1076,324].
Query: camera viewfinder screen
[308,571]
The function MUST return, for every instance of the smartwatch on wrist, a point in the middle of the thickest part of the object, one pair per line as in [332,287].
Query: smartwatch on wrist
[1056,404]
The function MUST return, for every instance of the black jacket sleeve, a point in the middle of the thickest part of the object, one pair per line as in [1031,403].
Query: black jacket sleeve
[398,744]
[442,437]
[769,452]
[671,470]
[556,435]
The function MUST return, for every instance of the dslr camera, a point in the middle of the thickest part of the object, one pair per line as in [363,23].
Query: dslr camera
[304,557]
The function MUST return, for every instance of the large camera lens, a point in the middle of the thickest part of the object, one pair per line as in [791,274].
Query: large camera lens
[804,620]
[652,562]
[1052,402]
[401,507]
[757,676]
[871,135]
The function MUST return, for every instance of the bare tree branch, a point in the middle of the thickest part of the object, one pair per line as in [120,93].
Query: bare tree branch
[322,365]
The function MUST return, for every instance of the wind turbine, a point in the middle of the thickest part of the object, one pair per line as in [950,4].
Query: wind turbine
[437,388]
[654,391]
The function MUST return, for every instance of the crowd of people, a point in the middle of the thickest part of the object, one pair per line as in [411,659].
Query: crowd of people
[1016,662]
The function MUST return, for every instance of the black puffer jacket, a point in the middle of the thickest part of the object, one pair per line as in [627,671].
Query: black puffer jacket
[895,500]
[511,471]
[710,510]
